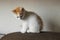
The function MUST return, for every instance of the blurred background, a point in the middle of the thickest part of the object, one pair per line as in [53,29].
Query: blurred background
[49,10]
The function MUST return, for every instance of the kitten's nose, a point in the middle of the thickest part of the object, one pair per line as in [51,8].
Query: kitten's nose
[18,17]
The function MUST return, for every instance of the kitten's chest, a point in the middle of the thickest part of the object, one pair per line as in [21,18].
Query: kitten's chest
[23,21]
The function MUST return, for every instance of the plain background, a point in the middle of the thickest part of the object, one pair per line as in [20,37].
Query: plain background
[47,9]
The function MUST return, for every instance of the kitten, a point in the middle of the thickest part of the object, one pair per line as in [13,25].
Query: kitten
[31,22]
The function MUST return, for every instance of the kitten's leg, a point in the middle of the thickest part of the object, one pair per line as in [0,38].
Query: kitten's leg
[24,27]
[28,31]
[34,27]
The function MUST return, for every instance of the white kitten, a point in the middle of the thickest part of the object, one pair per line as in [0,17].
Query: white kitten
[31,22]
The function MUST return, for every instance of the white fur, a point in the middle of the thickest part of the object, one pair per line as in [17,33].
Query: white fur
[30,25]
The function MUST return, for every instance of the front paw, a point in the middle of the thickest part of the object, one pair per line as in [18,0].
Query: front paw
[22,31]
[28,31]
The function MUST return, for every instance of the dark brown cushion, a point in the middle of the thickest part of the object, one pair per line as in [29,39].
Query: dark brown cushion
[30,36]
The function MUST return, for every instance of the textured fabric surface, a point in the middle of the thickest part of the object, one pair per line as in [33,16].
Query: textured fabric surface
[30,36]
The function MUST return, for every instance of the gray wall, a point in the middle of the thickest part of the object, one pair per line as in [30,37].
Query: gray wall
[48,10]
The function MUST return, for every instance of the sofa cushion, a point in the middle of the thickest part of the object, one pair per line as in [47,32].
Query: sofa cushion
[32,36]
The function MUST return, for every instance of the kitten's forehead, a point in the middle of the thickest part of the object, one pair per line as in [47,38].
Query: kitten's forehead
[18,9]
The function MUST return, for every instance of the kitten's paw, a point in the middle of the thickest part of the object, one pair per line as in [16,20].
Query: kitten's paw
[28,31]
[22,31]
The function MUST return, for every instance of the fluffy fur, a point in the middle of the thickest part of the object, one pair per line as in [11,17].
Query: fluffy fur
[31,22]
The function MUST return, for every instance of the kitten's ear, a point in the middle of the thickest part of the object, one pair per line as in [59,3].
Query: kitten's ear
[23,9]
[14,11]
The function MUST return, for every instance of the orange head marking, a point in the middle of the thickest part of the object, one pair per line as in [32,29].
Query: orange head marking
[18,11]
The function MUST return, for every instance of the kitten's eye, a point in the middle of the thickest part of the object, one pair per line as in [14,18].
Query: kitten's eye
[20,16]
